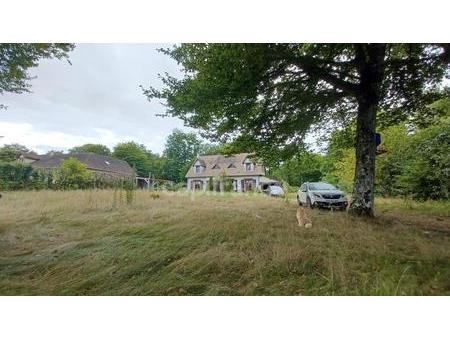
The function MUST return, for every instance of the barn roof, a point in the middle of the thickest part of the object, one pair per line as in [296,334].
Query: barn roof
[91,160]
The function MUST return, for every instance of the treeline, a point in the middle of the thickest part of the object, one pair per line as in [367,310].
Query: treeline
[413,160]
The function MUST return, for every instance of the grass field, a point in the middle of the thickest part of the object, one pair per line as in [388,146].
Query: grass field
[94,243]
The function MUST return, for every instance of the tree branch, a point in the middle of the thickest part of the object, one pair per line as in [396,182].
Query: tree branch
[310,66]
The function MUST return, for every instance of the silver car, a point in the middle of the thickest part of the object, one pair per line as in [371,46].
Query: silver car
[321,194]
[274,190]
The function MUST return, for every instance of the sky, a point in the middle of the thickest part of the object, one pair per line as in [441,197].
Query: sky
[96,99]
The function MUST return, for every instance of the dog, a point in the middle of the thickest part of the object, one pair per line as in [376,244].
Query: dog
[303,219]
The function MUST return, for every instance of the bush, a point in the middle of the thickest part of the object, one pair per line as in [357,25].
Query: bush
[14,176]
[228,185]
[416,165]
[72,174]
[210,184]
[426,173]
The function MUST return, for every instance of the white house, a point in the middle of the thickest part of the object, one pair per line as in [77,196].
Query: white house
[245,173]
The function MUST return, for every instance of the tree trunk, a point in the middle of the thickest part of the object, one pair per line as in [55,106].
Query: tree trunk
[371,57]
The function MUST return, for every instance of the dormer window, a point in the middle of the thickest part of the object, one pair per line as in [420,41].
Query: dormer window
[198,169]
[248,166]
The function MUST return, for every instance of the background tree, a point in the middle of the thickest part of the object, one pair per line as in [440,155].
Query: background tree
[17,58]
[180,150]
[270,95]
[303,167]
[10,152]
[72,174]
[91,148]
[135,155]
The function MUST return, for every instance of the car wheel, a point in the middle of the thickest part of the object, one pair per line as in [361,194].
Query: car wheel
[298,200]
[309,204]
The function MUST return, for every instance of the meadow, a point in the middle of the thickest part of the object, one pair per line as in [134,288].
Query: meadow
[101,242]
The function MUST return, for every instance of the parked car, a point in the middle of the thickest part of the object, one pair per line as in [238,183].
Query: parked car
[321,194]
[274,190]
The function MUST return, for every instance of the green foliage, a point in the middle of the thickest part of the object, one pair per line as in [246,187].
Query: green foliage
[143,161]
[180,150]
[227,185]
[17,58]
[210,184]
[72,174]
[14,176]
[344,170]
[91,148]
[415,163]
[391,164]
[304,167]
[10,152]
[425,174]
[276,92]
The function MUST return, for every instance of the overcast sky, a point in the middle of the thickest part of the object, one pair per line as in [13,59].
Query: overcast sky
[97,99]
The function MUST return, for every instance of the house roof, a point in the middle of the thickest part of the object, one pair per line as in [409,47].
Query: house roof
[91,160]
[225,165]
[31,155]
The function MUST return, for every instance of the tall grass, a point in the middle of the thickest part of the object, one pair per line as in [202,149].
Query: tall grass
[94,242]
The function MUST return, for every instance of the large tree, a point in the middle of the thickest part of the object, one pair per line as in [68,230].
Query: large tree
[17,58]
[142,160]
[180,150]
[268,96]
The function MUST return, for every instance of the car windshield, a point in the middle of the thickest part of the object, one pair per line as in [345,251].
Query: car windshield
[321,186]
[276,188]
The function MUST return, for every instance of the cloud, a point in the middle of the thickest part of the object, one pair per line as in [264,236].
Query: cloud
[96,99]
[26,134]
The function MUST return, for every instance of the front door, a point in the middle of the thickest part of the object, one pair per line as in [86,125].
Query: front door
[248,184]
[197,185]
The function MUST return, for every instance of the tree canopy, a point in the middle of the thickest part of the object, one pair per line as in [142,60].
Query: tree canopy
[10,152]
[180,150]
[266,97]
[17,58]
[143,161]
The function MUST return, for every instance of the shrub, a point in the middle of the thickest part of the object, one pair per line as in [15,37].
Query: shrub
[72,174]
[416,165]
[426,171]
[210,184]
[227,185]
[14,176]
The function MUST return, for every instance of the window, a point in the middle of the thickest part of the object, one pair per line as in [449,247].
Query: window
[248,166]
[197,185]
[321,186]
[197,169]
